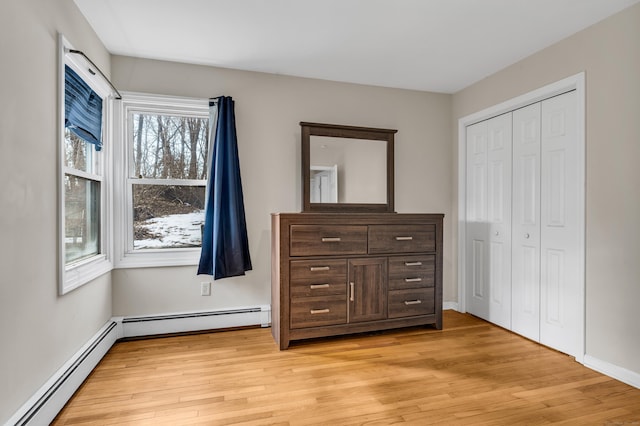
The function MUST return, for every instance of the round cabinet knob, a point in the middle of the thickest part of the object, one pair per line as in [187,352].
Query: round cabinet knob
[526,235]
[497,233]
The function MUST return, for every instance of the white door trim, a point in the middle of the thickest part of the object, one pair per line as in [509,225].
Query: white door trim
[575,82]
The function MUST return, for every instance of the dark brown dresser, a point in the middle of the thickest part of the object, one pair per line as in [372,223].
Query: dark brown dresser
[340,273]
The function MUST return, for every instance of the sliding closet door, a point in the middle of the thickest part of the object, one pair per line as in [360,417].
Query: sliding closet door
[489,231]
[525,318]
[560,236]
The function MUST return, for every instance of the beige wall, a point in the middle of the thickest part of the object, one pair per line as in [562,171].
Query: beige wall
[39,331]
[268,111]
[609,54]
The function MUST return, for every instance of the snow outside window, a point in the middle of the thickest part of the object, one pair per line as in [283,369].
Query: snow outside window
[164,176]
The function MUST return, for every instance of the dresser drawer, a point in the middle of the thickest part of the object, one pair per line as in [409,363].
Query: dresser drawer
[407,303]
[402,238]
[318,277]
[411,271]
[318,311]
[318,240]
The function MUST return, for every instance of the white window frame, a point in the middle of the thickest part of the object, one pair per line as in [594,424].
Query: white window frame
[76,274]
[126,256]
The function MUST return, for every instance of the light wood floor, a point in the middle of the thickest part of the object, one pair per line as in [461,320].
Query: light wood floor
[470,373]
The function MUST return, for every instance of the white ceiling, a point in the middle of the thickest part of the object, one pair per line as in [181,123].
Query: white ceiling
[432,45]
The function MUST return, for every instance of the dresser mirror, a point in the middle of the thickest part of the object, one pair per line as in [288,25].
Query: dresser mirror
[346,168]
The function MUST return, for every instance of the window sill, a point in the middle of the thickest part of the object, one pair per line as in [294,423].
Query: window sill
[83,272]
[159,258]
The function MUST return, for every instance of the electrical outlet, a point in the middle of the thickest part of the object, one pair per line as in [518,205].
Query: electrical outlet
[205,288]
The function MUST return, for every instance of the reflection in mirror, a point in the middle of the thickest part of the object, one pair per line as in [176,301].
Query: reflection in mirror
[324,184]
[347,170]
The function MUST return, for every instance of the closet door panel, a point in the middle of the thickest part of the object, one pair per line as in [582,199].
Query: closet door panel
[488,244]
[476,250]
[499,218]
[560,244]
[525,274]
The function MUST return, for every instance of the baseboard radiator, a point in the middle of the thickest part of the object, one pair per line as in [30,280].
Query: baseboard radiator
[195,321]
[47,402]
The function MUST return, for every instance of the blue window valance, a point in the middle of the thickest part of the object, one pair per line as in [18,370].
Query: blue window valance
[82,109]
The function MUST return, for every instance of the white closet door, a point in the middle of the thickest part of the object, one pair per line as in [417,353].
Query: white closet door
[560,242]
[525,318]
[499,219]
[523,241]
[489,233]
[476,226]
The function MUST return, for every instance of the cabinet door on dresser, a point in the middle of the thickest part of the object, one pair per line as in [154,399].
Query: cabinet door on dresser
[367,289]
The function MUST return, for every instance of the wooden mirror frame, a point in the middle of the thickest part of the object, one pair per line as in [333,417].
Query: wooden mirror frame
[349,132]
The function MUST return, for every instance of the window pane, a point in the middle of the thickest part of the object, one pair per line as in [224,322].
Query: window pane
[169,147]
[167,216]
[82,218]
[79,154]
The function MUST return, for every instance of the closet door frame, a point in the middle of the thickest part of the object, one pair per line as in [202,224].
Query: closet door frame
[577,83]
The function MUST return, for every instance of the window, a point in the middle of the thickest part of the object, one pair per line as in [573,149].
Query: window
[83,189]
[164,176]
[82,183]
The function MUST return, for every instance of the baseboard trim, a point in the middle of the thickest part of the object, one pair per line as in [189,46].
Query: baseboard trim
[195,321]
[47,402]
[450,306]
[619,373]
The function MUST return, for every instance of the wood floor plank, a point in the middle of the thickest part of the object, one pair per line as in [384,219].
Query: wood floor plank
[469,373]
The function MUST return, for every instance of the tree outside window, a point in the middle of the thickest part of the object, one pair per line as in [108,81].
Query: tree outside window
[168,179]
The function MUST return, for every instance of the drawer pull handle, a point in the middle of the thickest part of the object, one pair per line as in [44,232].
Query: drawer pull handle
[330,239]
[319,268]
[412,280]
[404,238]
[412,263]
[412,302]
[319,311]
[317,286]
[351,292]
